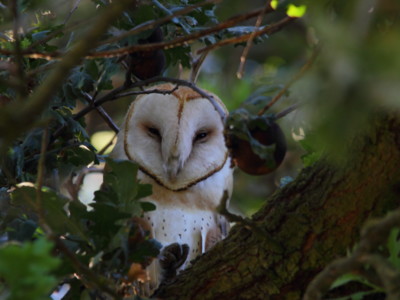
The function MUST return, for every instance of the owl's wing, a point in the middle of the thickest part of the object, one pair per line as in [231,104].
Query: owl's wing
[214,235]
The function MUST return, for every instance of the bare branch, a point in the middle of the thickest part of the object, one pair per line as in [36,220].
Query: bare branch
[169,13]
[103,114]
[250,40]
[74,8]
[39,182]
[153,91]
[287,110]
[116,93]
[267,30]
[296,77]
[22,90]
[149,47]
[154,23]
[196,66]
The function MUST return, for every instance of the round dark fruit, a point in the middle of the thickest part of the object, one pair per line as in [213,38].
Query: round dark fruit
[249,162]
[148,64]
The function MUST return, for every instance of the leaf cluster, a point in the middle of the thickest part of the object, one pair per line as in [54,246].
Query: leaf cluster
[56,239]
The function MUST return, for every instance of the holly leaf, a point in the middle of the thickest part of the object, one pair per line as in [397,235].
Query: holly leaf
[51,207]
[27,269]
[148,248]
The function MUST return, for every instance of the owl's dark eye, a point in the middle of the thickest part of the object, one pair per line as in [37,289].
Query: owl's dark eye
[154,132]
[200,136]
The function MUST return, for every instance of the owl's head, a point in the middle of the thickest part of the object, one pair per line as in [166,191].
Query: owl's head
[176,138]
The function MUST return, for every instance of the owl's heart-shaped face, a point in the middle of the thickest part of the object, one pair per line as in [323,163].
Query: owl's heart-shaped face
[177,138]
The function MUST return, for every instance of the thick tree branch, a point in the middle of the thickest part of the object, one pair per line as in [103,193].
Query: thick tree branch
[190,38]
[315,219]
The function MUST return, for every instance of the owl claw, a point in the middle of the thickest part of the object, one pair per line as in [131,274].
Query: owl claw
[172,258]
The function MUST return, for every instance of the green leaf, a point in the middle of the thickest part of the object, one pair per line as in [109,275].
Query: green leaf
[21,230]
[120,180]
[393,246]
[79,156]
[294,11]
[26,269]
[147,206]
[52,206]
[313,149]
[148,248]
[106,221]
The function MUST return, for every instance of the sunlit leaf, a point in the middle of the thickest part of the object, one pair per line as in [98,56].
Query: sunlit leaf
[296,11]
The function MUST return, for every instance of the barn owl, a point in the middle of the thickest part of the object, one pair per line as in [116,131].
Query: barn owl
[178,142]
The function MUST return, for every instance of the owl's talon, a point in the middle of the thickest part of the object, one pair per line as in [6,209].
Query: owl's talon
[172,258]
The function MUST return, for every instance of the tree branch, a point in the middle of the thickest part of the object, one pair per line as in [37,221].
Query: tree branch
[116,93]
[150,47]
[249,42]
[243,38]
[315,219]
[296,77]
[103,114]
[24,116]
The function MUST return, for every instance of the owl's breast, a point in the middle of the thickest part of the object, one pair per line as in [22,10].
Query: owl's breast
[199,229]
[204,195]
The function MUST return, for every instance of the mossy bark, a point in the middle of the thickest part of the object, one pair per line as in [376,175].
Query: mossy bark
[314,220]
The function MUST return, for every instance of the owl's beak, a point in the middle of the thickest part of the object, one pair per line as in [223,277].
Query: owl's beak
[173,167]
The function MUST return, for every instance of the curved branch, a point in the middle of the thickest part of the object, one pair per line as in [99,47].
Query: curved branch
[116,93]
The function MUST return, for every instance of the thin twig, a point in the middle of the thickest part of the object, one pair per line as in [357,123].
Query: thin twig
[81,24]
[178,41]
[153,24]
[266,30]
[39,182]
[92,278]
[115,94]
[31,109]
[296,77]
[103,114]
[196,66]
[287,111]
[74,8]
[169,13]
[149,47]
[20,75]
[249,42]
[108,145]
[152,91]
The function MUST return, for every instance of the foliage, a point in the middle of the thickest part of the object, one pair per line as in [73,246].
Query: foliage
[28,269]
[43,155]
[45,139]
[370,278]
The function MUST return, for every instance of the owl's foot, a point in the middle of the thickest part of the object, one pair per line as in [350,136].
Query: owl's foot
[172,258]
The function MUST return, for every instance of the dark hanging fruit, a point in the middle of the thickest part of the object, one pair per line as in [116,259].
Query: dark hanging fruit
[262,151]
[147,64]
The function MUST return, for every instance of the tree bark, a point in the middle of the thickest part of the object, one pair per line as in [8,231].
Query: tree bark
[312,221]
